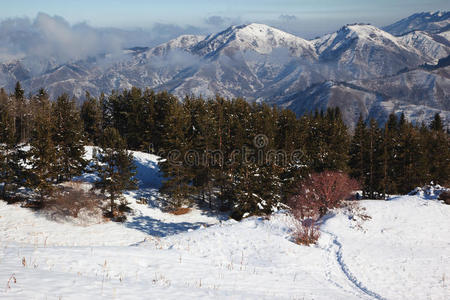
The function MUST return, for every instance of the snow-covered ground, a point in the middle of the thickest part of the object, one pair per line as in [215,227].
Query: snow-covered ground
[400,253]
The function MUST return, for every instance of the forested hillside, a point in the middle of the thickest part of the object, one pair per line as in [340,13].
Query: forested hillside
[228,154]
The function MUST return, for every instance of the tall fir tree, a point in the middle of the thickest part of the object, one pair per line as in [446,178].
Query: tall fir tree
[91,115]
[358,151]
[68,138]
[20,110]
[42,158]
[374,169]
[178,183]
[115,168]
[438,145]
[11,170]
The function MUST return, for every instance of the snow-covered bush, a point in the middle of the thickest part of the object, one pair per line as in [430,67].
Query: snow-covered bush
[431,191]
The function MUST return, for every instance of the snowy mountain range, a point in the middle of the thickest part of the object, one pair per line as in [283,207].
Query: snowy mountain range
[361,68]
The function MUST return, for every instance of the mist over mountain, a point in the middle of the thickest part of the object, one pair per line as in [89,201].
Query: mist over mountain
[361,68]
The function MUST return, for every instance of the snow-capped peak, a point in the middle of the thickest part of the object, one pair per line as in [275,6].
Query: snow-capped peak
[363,34]
[257,37]
[183,42]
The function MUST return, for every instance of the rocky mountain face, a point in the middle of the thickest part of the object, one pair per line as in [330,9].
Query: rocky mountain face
[361,68]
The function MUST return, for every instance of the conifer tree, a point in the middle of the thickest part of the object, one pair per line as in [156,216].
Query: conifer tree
[391,142]
[358,151]
[200,136]
[438,145]
[337,140]
[10,167]
[222,143]
[147,126]
[290,140]
[68,138]
[91,116]
[374,170]
[436,124]
[405,157]
[177,185]
[20,107]
[246,190]
[42,155]
[164,103]
[115,167]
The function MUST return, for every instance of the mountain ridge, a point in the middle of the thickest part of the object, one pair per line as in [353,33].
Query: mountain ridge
[258,62]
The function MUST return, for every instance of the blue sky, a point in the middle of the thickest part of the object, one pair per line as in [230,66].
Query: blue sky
[140,13]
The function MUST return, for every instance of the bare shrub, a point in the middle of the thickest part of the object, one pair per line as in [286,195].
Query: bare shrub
[316,195]
[320,192]
[116,216]
[306,233]
[69,200]
[180,211]
[142,200]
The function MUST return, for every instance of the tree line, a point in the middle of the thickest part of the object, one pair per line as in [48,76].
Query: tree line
[228,154]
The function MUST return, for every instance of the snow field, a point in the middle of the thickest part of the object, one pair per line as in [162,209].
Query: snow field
[400,253]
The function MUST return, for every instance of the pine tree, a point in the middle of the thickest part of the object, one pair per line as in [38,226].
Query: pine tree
[436,124]
[42,155]
[147,127]
[115,167]
[68,138]
[290,140]
[91,116]
[374,170]
[221,111]
[164,103]
[20,107]
[391,142]
[438,145]
[405,155]
[358,151]
[107,110]
[248,200]
[200,136]
[177,185]
[10,167]
[337,140]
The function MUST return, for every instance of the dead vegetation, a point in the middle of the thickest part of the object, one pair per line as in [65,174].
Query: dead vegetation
[315,196]
[74,200]
[180,211]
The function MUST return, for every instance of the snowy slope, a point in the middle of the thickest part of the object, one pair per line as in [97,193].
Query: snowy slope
[433,46]
[431,22]
[400,253]
[364,51]
[419,93]
[183,42]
